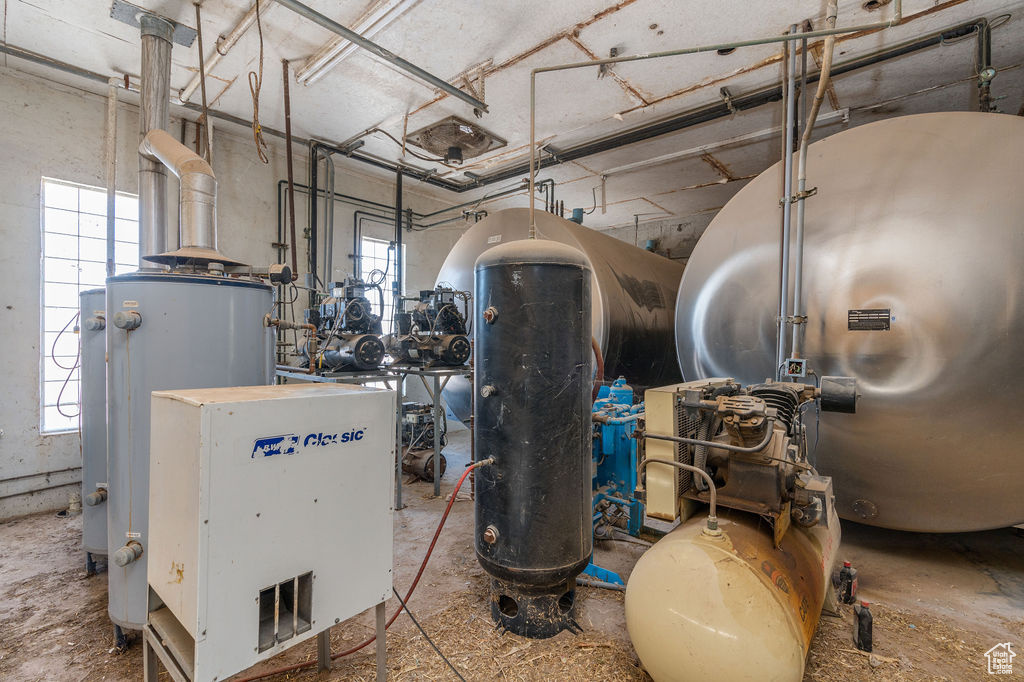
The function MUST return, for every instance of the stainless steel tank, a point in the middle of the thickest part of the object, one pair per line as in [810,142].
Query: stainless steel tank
[914,279]
[633,301]
[167,331]
[93,376]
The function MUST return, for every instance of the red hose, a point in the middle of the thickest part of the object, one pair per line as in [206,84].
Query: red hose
[394,617]
[599,360]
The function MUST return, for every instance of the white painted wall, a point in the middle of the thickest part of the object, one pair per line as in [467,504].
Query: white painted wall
[48,129]
[673,238]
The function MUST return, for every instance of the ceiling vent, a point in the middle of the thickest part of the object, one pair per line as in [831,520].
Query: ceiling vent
[455,139]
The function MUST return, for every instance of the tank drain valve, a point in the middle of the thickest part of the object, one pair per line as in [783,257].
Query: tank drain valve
[95,324]
[128,320]
[490,315]
[491,535]
[487,391]
[96,497]
[127,554]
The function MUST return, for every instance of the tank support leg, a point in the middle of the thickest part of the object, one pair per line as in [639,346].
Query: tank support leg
[382,651]
[120,640]
[602,574]
[831,605]
[90,564]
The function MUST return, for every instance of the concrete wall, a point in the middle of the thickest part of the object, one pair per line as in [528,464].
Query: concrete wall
[52,130]
[674,238]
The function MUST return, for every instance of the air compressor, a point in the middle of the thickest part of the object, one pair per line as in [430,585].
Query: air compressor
[433,331]
[348,330]
[753,573]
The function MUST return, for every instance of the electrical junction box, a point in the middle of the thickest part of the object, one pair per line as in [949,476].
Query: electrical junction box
[796,368]
[270,518]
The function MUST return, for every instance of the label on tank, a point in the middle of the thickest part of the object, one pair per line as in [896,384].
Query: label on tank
[494,239]
[868,319]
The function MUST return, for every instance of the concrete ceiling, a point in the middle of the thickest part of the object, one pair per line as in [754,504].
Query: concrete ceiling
[511,38]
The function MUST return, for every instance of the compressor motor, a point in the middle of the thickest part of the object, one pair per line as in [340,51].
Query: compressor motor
[433,332]
[348,331]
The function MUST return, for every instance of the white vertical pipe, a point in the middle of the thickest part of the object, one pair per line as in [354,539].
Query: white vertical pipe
[801,189]
[110,161]
[787,191]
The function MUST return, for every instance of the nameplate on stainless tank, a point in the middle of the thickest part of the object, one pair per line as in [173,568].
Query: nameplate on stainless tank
[868,319]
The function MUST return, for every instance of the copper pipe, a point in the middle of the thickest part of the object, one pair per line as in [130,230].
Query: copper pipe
[311,330]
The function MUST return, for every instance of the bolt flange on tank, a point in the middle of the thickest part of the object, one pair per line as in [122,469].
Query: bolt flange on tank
[532,415]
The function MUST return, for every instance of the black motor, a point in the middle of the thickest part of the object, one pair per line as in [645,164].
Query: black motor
[532,415]
[348,331]
[434,331]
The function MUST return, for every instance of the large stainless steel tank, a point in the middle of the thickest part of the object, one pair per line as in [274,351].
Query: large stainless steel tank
[93,373]
[633,301]
[922,219]
[193,331]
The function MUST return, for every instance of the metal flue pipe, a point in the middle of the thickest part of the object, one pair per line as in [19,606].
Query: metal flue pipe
[198,202]
[154,114]
[384,54]
[801,184]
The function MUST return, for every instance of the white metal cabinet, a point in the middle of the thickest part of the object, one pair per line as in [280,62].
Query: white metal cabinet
[270,516]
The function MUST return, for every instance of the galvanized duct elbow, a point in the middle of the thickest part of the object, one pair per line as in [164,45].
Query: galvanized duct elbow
[197,208]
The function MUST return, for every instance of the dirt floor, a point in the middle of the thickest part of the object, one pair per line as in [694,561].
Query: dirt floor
[939,602]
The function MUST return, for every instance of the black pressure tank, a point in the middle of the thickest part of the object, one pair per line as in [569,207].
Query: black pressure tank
[532,415]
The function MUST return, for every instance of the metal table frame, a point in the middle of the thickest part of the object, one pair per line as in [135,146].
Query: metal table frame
[162,647]
[438,376]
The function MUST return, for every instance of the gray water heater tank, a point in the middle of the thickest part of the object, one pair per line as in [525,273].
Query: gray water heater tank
[914,277]
[93,373]
[167,331]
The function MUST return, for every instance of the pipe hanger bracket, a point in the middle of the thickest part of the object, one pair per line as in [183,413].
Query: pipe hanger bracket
[128,13]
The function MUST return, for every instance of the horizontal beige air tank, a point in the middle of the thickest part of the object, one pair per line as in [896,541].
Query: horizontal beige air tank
[914,279]
[731,607]
[633,295]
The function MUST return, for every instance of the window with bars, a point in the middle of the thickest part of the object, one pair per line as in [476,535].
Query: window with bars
[74,254]
[378,254]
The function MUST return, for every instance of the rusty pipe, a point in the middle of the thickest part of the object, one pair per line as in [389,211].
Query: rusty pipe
[293,243]
[311,330]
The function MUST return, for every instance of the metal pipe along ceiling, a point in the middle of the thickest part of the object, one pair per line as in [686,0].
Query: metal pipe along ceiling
[384,54]
[681,121]
[896,18]
[224,45]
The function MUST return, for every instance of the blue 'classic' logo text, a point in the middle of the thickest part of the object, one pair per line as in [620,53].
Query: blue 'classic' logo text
[288,443]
